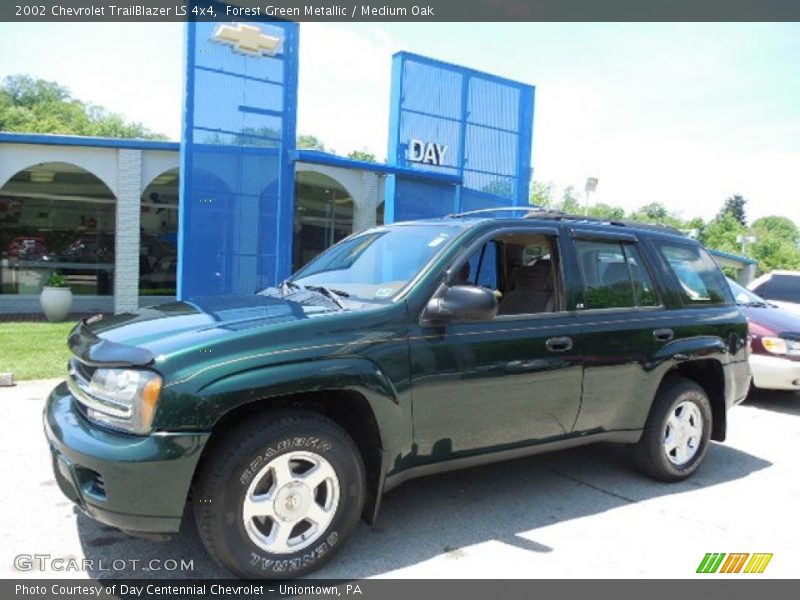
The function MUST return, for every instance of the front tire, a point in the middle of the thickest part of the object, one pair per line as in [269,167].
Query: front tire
[279,495]
[677,433]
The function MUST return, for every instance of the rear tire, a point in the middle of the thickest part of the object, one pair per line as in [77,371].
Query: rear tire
[279,495]
[677,433]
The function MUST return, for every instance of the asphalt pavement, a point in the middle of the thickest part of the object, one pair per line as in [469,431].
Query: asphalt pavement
[581,513]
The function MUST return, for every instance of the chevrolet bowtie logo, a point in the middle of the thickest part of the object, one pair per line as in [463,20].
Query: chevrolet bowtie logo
[247,39]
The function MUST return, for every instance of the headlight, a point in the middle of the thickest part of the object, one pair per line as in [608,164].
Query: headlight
[774,345]
[781,346]
[123,398]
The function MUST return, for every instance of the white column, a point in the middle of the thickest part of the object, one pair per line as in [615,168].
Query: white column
[126,272]
[365,201]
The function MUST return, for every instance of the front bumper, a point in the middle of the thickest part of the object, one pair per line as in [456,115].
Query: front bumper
[775,372]
[135,483]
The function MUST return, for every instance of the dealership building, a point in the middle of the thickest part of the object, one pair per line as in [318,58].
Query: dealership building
[105,212]
[234,206]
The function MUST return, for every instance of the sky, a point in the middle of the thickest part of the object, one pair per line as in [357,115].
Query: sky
[683,114]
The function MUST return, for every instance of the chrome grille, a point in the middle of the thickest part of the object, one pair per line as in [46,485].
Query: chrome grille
[78,382]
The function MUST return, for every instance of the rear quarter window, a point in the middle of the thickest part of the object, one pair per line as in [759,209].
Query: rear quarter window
[700,279]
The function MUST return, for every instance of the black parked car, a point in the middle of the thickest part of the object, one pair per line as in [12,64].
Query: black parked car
[402,351]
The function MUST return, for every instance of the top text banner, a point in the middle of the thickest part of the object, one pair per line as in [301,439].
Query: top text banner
[399,10]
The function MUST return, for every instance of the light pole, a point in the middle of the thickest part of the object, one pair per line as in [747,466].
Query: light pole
[591,185]
[744,240]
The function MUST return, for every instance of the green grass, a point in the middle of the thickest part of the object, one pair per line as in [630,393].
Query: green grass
[34,350]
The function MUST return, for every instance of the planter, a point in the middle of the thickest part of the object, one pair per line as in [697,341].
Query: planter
[56,302]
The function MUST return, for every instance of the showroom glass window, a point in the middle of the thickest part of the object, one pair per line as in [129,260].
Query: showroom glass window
[56,217]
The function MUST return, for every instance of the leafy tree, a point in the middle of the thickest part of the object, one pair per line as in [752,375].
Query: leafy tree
[774,253]
[362,154]
[570,203]
[722,232]
[310,142]
[654,212]
[541,193]
[696,227]
[776,245]
[34,105]
[657,213]
[734,206]
[779,227]
[606,211]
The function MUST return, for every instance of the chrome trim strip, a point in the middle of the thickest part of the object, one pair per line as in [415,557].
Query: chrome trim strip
[78,386]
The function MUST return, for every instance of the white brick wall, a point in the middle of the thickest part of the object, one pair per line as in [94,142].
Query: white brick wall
[365,187]
[126,273]
[366,201]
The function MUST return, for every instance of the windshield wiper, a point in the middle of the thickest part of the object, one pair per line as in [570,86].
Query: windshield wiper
[754,304]
[287,285]
[335,295]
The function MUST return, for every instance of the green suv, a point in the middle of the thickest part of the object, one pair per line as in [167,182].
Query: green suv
[281,418]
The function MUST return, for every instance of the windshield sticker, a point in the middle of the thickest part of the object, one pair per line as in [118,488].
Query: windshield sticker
[437,240]
[384,293]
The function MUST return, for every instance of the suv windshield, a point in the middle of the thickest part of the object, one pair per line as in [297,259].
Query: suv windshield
[375,265]
[744,296]
[783,288]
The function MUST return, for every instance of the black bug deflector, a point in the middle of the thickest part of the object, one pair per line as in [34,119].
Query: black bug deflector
[96,351]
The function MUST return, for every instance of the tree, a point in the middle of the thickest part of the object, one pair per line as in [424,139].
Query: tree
[362,154]
[696,228]
[570,203]
[310,142]
[657,213]
[780,227]
[734,206]
[33,105]
[776,245]
[541,193]
[654,212]
[606,211]
[722,232]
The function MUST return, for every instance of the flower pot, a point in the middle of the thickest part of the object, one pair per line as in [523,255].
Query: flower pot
[56,302]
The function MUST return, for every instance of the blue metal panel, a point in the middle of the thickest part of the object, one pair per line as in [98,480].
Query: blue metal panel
[421,199]
[323,158]
[486,123]
[237,178]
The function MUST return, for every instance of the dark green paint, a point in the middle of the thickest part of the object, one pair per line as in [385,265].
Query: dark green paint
[438,392]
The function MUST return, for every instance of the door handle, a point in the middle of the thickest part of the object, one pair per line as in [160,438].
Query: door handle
[663,335]
[559,344]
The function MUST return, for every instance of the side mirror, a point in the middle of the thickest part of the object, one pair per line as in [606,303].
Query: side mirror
[462,303]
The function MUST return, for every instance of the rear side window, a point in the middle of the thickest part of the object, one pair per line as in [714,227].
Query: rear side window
[783,288]
[700,279]
[614,275]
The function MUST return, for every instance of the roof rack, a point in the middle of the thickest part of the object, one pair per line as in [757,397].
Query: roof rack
[535,211]
[527,209]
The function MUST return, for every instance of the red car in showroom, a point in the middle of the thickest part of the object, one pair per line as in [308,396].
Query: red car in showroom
[775,341]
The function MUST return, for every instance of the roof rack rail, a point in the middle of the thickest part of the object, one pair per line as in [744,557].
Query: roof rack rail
[534,211]
[527,209]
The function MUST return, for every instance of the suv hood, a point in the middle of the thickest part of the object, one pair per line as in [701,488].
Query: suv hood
[137,338]
[777,320]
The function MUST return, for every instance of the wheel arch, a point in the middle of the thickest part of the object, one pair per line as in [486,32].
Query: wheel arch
[709,374]
[357,404]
